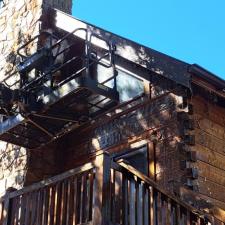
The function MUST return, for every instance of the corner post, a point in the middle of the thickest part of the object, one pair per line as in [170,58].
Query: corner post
[101,195]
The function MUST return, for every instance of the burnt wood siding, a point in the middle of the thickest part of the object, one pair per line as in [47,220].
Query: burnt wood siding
[155,116]
[210,150]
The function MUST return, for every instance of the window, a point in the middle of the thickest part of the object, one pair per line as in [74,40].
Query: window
[128,85]
[138,158]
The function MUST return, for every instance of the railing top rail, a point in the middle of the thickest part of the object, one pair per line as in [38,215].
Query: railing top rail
[52,180]
[121,164]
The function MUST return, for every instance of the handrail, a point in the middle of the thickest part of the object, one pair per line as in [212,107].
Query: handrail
[35,80]
[149,181]
[51,47]
[72,197]
[74,75]
[66,36]
[109,47]
[100,183]
[54,45]
[122,164]
[24,45]
[52,180]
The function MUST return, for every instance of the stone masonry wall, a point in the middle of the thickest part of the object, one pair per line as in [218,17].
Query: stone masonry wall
[20,20]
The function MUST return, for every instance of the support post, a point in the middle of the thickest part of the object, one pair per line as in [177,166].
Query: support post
[101,200]
[7,207]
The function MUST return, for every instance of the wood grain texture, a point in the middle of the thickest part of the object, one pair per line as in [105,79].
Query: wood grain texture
[209,146]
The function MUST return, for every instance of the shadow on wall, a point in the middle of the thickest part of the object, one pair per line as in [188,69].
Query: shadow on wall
[13,59]
[156,62]
[13,161]
[157,117]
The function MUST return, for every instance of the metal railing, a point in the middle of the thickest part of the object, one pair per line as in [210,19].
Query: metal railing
[14,79]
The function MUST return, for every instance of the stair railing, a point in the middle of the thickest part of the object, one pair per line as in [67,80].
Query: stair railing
[138,200]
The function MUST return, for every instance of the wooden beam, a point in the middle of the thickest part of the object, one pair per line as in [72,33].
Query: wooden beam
[152,160]
[147,88]
[101,190]
[206,85]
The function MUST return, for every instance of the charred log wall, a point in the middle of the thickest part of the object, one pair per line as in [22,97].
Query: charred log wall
[209,147]
[152,120]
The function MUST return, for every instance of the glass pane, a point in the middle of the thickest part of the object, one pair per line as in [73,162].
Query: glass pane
[128,86]
[137,158]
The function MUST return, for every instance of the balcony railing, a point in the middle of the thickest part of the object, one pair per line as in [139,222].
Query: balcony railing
[100,192]
[73,197]
[138,200]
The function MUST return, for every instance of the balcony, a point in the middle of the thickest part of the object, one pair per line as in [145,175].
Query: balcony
[99,192]
[43,100]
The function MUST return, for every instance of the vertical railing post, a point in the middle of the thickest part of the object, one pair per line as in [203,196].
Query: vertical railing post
[7,207]
[101,194]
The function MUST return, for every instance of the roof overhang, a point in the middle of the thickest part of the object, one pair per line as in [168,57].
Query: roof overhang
[207,80]
[151,60]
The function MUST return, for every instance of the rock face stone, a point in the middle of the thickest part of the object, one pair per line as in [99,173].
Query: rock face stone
[20,20]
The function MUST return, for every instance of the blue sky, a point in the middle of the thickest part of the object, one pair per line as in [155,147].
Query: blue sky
[192,31]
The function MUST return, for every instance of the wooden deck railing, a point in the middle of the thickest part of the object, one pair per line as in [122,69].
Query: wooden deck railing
[71,198]
[101,192]
[137,200]
[61,201]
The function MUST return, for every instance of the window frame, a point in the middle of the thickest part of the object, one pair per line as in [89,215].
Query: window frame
[131,152]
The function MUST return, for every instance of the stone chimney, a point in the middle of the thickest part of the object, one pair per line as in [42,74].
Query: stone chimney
[20,20]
